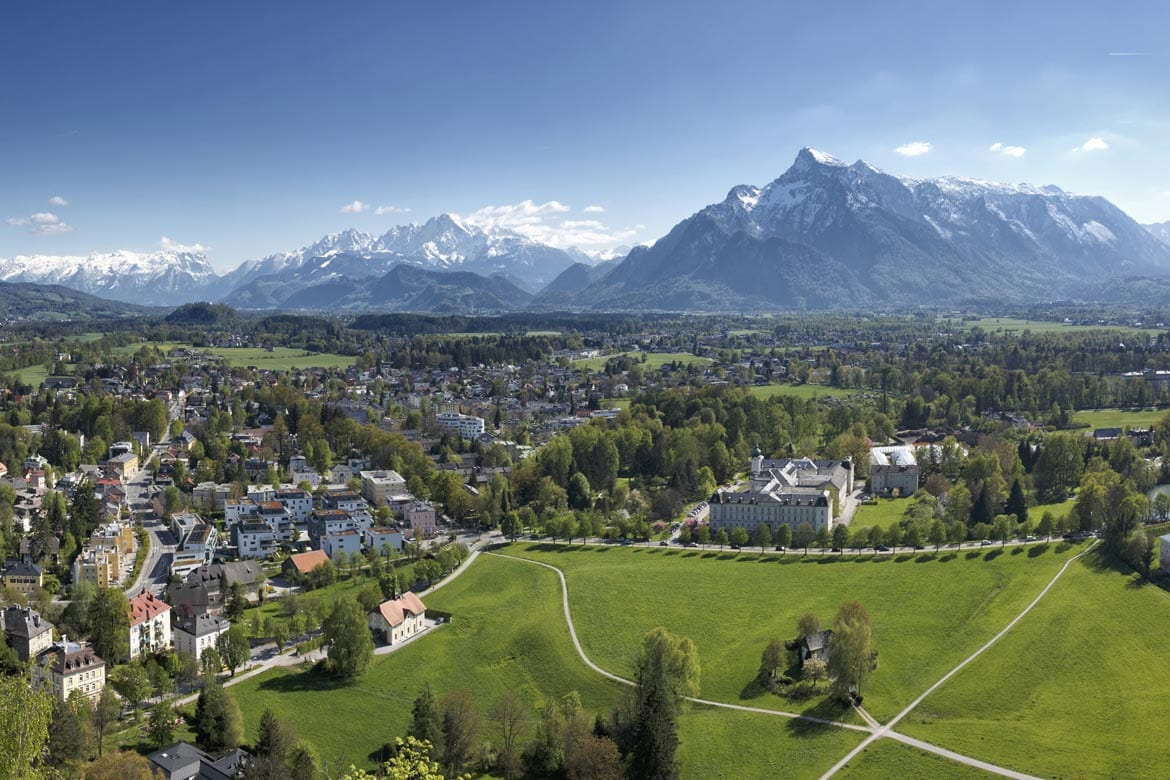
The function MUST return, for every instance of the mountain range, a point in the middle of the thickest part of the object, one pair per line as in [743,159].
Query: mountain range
[824,234]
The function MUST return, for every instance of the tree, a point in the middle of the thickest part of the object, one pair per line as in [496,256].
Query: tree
[510,526]
[937,534]
[1002,528]
[426,721]
[237,602]
[109,624]
[1138,551]
[1047,524]
[280,635]
[808,625]
[851,654]
[461,725]
[233,648]
[305,764]
[132,683]
[24,728]
[411,761]
[274,742]
[106,711]
[580,494]
[676,658]
[655,734]
[511,715]
[762,536]
[211,661]
[348,641]
[123,765]
[160,727]
[67,730]
[1059,466]
[721,539]
[594,758]
[840,536]
[983,511]
[804,536]
[739,536]
[772,660]
[218,724]
[1017,503]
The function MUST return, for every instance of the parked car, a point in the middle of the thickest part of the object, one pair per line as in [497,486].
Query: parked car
[735,546]
[985,542]
[663,543]
[881,548]
[781,548]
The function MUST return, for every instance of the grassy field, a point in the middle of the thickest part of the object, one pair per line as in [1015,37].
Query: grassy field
[928,612]
[885,513]
[765,392]
[1118,418]
[1079,688]
[653,360]
[278,359]
[890,760]
[508,633]
[1004,324]
[33,375]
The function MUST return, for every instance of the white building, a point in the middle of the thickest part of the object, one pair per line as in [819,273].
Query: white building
[893,468]
[399,619]
[784,492]
[254,539]
[378,485]
[344,542]
[67,667]
[150,624]
[466,425]
[196,634]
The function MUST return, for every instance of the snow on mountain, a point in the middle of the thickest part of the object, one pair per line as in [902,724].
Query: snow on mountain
[849,234]
[159,278]
[1160,230]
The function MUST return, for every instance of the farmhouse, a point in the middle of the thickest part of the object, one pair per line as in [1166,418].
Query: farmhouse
[398,619]
[816,646]
[299,565]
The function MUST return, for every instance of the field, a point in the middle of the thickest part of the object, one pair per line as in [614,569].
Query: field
[33,375]
[1079,688]
[885,513]
[653,360]
[1118,418]
[1005,324]
[890,760]
[278,359]
[765,392]
[929,612]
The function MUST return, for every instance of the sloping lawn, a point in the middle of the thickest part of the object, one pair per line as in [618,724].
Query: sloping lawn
[1080,688]
[886,759]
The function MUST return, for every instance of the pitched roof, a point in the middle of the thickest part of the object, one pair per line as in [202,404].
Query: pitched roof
[145,607]
[394,611]
[307,561]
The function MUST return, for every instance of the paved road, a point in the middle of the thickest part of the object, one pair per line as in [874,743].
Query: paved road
[156,569]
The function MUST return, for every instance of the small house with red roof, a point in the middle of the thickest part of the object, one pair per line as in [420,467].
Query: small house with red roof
[297,566]
[398,619]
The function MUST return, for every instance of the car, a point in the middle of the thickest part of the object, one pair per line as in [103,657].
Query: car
[985,542]
[836,550]
[735,546]
[881,548]
[663,543]
[1029,538]
[781,548]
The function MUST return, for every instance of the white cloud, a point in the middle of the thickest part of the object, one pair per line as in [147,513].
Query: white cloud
[544,222]
[914,149]
[1094,144]
[594,209]
[168,244]
[357,207]
[1007,149]
[391,210]
[57,200]
[42,223]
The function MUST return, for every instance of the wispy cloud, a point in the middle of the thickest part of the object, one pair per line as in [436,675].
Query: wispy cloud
[174,246]
[594,209]
[914,149]
[1129,54]
[57,200]
[1007,150]
[1094,144]
[356,207]
[42,223]
[391,210]
[545,222]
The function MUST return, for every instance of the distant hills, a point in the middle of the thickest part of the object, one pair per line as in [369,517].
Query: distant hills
[51,302]
[824,234]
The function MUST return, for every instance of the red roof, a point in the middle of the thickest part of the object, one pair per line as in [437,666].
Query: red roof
[307,561]
[145,606]
[395,611]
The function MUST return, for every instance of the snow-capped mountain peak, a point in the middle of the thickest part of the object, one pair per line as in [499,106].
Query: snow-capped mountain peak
[152,278]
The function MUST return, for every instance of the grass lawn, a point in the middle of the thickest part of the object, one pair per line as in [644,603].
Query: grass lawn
[1118,418]
[1004,324]
[508,633]
[279,359]
[1058,510]
[33,375]
[928,612]
[653,360]
[885,513]
[715,743]
[764,392]
[1079,688]
[886,759]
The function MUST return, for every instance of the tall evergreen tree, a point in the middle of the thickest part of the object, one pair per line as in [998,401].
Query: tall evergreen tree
[426,721]
[983,511]
[1017,503]
[655,738]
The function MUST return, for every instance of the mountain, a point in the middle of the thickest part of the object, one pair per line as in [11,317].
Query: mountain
[444,242]
[160,278]
[410,288]
[826,234]
[43,302]
[1160,231]
[562,291]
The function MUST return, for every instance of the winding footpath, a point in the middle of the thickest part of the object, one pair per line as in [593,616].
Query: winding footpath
[874,729]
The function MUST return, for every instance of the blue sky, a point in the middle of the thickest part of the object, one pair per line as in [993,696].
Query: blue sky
[247,127]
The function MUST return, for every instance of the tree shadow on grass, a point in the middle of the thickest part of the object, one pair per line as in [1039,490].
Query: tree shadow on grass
[710,555]
[1019,548]
[993,554]
[973,554]
[753,690]
[948,558]
[826,709]
[1036,550]
[903,558]
[303,682]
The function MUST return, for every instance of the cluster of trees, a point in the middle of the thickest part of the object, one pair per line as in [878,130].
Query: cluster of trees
[851,657]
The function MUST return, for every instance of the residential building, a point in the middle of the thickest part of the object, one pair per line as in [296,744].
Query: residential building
[150,625]
[21,577]
[298,503]
[377,538]
[254,539]
[420,516]
[816,646]
[893,468]
[27,632]
[398,619]
[67,667]
[378,485]
[101,566]
[296,566]
[184,761]
[342,543]
[124,466]
[194,635]
[324,522]
[466,425]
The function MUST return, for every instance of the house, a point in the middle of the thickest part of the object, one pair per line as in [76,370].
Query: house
[27,632]
[815,646]
[196,634]
[421,517]
[376,539]
[21,577]
[378,485]
[150,624]
[184,761]
[341,543]
[466,425]
[296,566]
[254,540]
[67,667]
[398,619]
[101,566]
[298,503]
